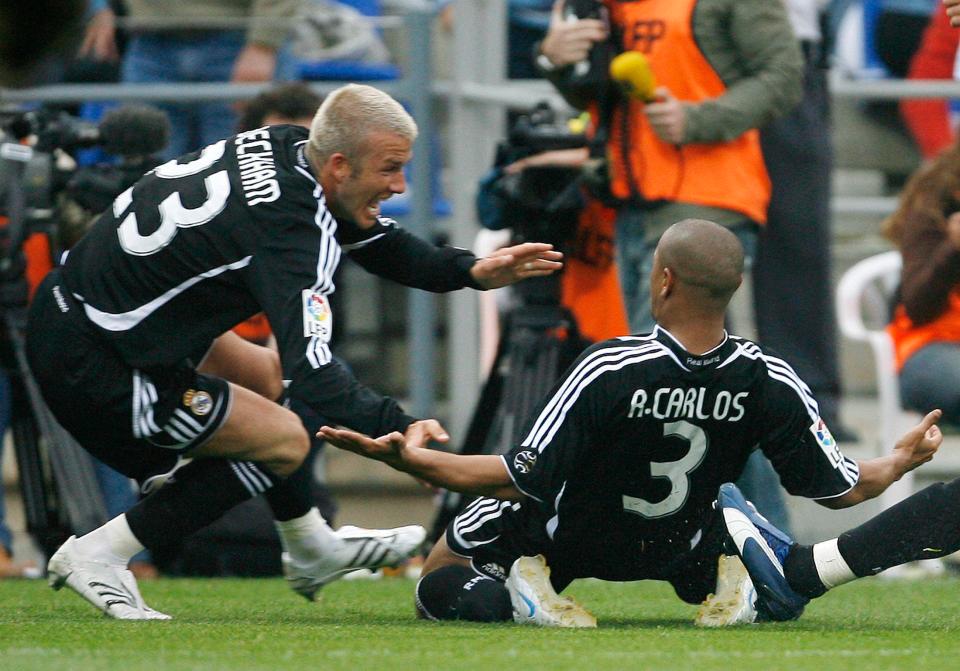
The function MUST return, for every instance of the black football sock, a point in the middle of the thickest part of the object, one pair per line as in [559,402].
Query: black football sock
[293,497]
[459,593]
[199,494]
[800,570]
[923,526]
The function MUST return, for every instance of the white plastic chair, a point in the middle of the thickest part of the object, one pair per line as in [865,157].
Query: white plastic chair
[863,303]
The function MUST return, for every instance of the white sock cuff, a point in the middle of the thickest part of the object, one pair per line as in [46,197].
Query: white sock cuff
[310,524]
[120,540]
[831,566]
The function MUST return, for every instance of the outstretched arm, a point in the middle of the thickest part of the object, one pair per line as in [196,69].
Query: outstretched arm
[400,256]
[483,475]
[512,264]
[916,447]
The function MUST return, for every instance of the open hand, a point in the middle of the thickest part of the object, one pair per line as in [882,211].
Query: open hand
[388,448]
[512,264]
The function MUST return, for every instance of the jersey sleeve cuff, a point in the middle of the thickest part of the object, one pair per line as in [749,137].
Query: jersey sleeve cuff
[516,484]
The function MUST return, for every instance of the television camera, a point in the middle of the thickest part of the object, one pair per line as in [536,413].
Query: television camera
[539,203]
[46,196]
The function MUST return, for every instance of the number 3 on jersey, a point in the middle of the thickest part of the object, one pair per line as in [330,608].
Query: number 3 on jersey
[677,472]
[173,215]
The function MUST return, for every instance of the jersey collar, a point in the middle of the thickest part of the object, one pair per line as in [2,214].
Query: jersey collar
[711,359]
[301,158]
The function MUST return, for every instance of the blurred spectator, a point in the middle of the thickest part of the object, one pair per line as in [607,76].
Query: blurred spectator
[199,54]
[294,102]
[30,31]
[794,247]
[527,23]
[8,567]
[926,321]
[898,31]
[100,37]
[929,120]
[793,251]
[694,152]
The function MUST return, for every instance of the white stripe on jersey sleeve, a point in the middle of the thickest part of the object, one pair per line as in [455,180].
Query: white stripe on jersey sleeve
[780,370]
[318,353]
[137,419]
[592,367]
[573,380]
[328,258]
[850,471]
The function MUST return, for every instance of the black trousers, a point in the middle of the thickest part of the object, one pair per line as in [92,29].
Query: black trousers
[792,288]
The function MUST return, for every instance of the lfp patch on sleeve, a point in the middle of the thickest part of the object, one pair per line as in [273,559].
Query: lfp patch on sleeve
[826,441]
[317,316]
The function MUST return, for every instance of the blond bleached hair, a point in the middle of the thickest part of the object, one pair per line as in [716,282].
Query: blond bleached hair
[349,115]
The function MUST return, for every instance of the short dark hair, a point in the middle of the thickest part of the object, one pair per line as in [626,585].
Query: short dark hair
[292,100]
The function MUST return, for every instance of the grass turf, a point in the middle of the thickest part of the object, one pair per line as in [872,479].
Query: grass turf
[258,624]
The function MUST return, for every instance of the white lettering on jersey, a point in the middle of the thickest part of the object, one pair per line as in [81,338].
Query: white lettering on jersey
[173,215]
[257,170]
[675,403]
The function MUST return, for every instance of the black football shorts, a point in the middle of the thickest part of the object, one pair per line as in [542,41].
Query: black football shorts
[136,421]
[494,533]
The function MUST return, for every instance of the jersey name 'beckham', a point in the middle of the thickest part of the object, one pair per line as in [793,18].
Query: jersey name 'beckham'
[257,171]
[692,403]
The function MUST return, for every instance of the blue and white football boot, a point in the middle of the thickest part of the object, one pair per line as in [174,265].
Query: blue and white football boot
[763,549]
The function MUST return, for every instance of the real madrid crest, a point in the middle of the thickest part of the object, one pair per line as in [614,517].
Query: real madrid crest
[199,402]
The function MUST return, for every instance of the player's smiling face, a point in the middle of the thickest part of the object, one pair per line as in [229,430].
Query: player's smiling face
[372,178]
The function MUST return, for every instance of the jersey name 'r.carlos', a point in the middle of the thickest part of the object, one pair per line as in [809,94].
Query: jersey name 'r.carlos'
[692,403]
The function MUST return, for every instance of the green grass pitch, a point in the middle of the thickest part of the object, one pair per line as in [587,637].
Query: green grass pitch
[235,625]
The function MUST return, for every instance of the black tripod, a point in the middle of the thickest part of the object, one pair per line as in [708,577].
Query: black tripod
[539,340]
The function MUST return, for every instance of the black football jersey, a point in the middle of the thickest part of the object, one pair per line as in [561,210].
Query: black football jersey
[625,457]
[199,244]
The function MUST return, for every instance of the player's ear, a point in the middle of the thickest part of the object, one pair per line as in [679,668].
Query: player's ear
[339,166]
[669,281]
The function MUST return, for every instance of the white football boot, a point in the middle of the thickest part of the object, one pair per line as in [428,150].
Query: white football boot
[358,549]
[734,600]
[535,602]
[109,587]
